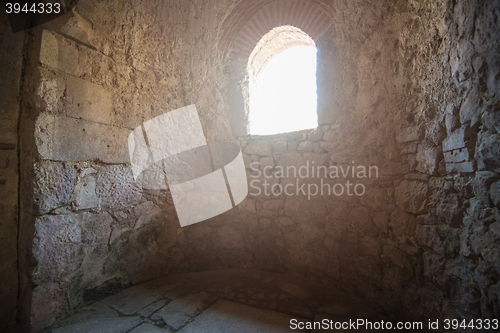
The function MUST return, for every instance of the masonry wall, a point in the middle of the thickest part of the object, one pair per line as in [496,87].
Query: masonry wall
[11,46]
[88,229]
[400,87]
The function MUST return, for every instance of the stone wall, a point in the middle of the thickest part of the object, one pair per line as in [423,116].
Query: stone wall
[11,47]
[91,77]
[452,106]
[401,87]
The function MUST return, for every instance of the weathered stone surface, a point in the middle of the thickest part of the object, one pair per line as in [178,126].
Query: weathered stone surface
[88,101]
[273,204]
[112,325]
[64,138]
[402,224]
[73,26]
[457,155]
[280,147]
[148,310]
[398,258]
[481,185]
[428,237]
[464,167]
[411,196]
[302,209]
[266,163]
[495,193]
[258,147]
[381,220]
[408,134]
[488,153]
[178,312]
[415,71]
[57,53]
[433,264]
[65,244]
[54,185]
[84,193]
[132,300]
[284,221]
[116,187]
[147,328]
[456,140]
[428,158]
[316,135]
[305,146]
[225,315]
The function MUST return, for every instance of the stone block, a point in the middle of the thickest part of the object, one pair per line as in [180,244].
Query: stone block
[316,135]
[226,316]
[464,167]
[280,147]
[283,221]
[428,237]
[448,208]
[408,134]
[409,147]
[361,221]
[73,26]
[433,264]
[58,53]
[88,101]
[293,161]
[266,162]
[258,147]
[470,107]
[481,185]
[116,188]
[147,328]
[63,138]
[495,193]
[457,155]
[417,176]
[54,182]
[84,194]
[50,92]
[381,220]
[402,224]
[133,299]
[412,196]
[488,152]
[455,140]
[428,158]
[67,243]
[305,146]
[178,312]
[398,258]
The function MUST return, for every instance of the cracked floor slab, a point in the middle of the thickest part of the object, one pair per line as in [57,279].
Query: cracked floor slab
[216,301]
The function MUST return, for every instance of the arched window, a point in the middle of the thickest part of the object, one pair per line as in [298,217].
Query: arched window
[282,73]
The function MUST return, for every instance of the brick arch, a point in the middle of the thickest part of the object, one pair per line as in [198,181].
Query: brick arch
[249,20]
[274,42]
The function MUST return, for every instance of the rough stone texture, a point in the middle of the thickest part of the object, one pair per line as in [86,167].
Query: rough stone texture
[222,301]
[11,64]
[411,196]
[112,325]
[179,311]
[409,87]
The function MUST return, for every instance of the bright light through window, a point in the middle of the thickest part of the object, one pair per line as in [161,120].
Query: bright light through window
[283,97]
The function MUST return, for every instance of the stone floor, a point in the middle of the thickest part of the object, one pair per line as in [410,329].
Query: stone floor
[222,301]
